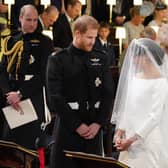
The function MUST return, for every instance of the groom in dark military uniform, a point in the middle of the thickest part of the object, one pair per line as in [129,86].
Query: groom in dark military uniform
[80,91]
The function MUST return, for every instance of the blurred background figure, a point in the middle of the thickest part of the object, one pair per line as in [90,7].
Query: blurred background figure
[3,21]
[133,29]
[47,18]
[100,10]
[134,26]
[149,8]
[121,11]
[160,14]
[62,28]
[59,4]
[163,36]
[148,32]
[3,26]
[3,9]
[103,43]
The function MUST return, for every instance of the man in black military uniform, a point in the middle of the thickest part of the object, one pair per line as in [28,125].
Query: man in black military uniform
[22,74]
[80,91]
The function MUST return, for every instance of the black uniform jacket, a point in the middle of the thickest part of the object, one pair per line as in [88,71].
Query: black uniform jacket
[80,87]
[31,78]
[39,27]
[62,33]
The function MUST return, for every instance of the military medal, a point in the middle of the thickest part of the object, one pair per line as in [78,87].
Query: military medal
[32,59]
[97,82]
[97,104]
[95,59]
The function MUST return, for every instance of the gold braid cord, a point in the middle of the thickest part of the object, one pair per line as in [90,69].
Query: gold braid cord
[14,53]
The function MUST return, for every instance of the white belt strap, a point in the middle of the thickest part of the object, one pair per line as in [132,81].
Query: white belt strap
[46,112]
[74,105]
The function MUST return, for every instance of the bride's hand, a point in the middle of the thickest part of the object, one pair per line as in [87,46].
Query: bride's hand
[124,144]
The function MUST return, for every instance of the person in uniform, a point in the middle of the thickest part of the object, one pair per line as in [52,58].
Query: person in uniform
[80,90]
[22,74]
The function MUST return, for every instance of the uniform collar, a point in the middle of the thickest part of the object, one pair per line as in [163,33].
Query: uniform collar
[78,51]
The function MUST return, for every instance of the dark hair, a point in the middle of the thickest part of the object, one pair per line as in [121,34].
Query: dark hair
[105,25]
[160,6]
[154,49]
[71,2]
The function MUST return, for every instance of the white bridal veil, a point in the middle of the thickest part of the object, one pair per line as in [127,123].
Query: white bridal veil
[141,102]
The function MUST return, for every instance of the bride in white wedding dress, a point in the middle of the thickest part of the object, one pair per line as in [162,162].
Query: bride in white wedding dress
[140,107]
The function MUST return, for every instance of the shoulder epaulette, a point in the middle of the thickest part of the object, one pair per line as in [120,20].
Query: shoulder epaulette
[13,54]
[58,51]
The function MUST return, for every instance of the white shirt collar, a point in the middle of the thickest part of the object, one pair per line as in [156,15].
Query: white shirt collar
[68,17]
[102,41]
[41,21]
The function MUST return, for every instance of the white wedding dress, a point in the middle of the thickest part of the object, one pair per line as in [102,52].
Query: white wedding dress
[143,116]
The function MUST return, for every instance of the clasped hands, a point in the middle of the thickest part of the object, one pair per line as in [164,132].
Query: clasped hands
[122,143]
[88,131]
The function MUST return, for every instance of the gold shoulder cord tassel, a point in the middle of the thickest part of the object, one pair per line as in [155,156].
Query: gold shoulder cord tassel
[14,53]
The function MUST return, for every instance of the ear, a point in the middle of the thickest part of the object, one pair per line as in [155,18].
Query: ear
[77,33]
[20,18]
